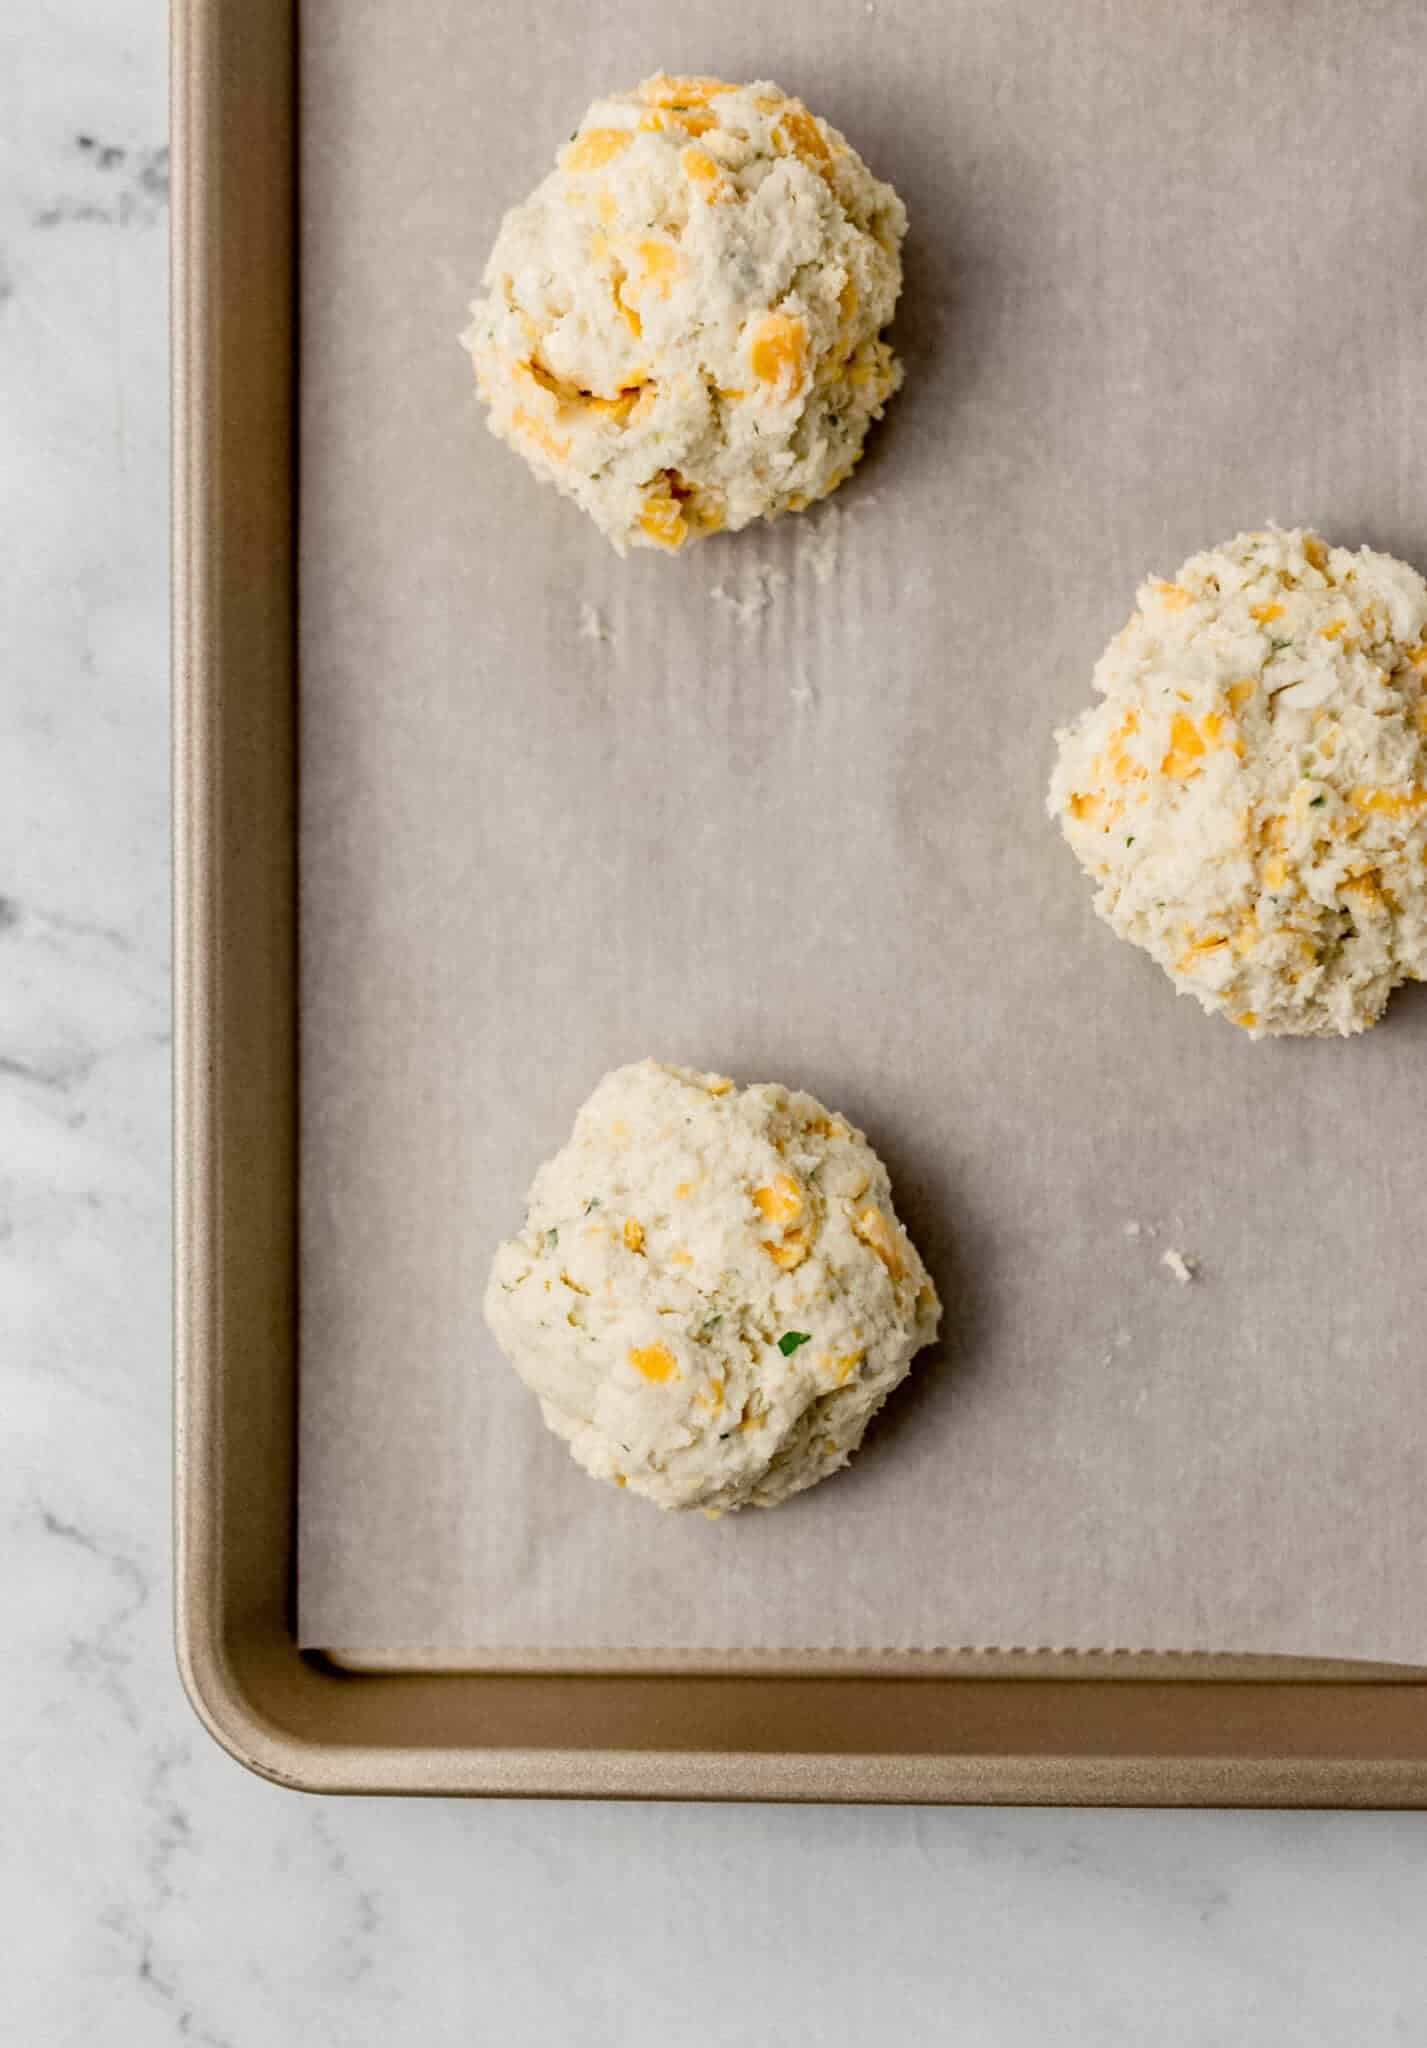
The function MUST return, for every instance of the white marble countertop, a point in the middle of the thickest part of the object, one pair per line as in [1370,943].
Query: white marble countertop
[152,1891]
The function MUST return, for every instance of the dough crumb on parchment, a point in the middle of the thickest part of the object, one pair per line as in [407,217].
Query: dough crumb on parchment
[712,1295]
[820,542]
[753,591]
[593,624]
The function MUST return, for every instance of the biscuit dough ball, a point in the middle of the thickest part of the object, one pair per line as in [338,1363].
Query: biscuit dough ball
[712,1295]
[1250,795]
[680,327]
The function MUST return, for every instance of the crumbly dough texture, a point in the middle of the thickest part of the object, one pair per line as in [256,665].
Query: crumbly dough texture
[681,325]
[712,1295]
[1251,794]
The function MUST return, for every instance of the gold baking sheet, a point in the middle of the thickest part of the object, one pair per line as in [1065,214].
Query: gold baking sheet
[1071,1729]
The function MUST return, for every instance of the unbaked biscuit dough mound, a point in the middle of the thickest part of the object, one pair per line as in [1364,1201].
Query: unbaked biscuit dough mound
[712,1295]
[1251,794]
[680,326]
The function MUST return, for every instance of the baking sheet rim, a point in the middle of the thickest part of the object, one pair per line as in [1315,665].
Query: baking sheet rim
[248,1682]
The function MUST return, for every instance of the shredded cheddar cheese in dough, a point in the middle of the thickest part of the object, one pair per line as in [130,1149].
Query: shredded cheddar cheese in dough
[698,289]
[1250,794]
[757,1303]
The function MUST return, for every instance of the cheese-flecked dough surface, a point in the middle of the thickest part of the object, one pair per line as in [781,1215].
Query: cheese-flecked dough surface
[1251,794]
[681,326]
[712,1295]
